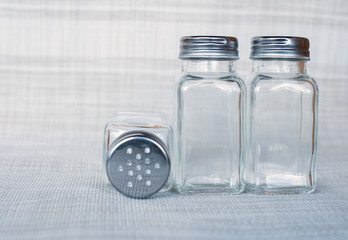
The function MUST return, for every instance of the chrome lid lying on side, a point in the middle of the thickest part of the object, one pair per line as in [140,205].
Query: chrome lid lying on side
[212,47]
[138,164]
[281,47]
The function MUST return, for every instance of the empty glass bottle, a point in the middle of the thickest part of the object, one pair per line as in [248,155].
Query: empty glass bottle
[210,117]
[136,153]
[283,114]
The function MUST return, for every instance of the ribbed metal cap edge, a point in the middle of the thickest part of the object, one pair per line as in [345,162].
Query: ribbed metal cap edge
[211,47]
[280,47]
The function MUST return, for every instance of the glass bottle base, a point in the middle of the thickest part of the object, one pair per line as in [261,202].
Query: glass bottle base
[209,188]
[291,190]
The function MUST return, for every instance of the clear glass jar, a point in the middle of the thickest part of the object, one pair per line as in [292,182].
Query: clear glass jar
[143,140]
[283,114]
[210,117]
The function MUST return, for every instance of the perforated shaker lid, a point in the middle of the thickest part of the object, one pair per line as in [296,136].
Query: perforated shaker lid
[138,164]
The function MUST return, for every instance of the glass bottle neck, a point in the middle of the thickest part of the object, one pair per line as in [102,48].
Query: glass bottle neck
[208,66]
[279,66]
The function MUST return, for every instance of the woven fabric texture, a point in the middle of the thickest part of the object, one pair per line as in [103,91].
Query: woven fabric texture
[67,66]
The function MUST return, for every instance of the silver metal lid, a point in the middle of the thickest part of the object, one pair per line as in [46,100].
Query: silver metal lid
[138,164]
[212,47]
[281,47]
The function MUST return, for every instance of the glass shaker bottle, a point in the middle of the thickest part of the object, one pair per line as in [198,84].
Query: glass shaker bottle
[136,153]
[283,118]
[210,123]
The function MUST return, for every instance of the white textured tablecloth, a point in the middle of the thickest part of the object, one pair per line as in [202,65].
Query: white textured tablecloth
[66,66]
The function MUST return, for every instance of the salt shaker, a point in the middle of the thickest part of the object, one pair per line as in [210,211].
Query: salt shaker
[283,118]
[210,123]
[136,153]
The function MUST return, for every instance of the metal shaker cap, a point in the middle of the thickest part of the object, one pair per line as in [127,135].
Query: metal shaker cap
[211,47]
[280,47]
[138,164]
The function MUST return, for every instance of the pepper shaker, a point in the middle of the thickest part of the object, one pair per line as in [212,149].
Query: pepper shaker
[210,125]
[136,153]
[283,118]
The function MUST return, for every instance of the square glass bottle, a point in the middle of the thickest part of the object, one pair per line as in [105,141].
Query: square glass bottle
[283,114]
[136,153]
[210,125]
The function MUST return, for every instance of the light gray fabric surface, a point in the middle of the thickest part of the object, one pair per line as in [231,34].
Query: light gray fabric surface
[66,66]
